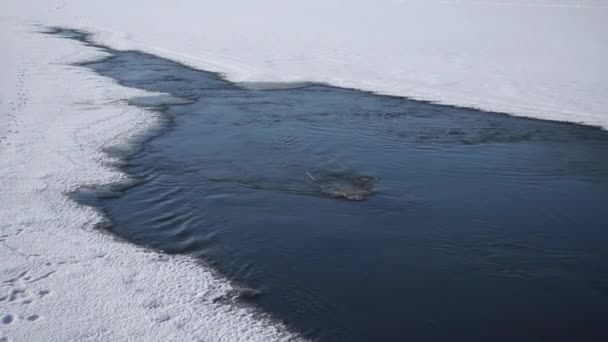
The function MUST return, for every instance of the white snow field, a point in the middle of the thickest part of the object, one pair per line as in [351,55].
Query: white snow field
[63,280]
[538,58]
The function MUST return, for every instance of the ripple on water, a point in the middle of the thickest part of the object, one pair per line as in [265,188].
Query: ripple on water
[470,218]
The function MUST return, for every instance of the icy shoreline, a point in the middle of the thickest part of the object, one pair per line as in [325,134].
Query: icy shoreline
[540,59]
[60,278]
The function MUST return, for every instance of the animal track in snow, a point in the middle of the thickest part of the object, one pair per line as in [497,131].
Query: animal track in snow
[32,318]
[20,292]
[7,319]
[21,99]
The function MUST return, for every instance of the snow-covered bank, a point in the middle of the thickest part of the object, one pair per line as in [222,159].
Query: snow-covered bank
[60,278]
[536,58]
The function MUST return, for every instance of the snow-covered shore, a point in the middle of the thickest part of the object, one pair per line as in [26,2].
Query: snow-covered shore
[538,58]
[63,280]
[60,278]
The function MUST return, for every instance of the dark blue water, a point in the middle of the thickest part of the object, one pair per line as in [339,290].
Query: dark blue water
[471,226]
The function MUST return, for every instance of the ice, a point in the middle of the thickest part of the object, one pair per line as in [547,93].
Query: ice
[537,58]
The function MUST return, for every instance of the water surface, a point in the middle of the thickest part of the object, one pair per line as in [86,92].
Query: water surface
[476,226]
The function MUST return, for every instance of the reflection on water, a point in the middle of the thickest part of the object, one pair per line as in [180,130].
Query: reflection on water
[475,226]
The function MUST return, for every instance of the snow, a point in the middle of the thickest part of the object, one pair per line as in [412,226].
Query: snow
[61,279]
[536,58]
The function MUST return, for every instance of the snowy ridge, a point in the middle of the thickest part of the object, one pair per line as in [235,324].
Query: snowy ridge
[60,278]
